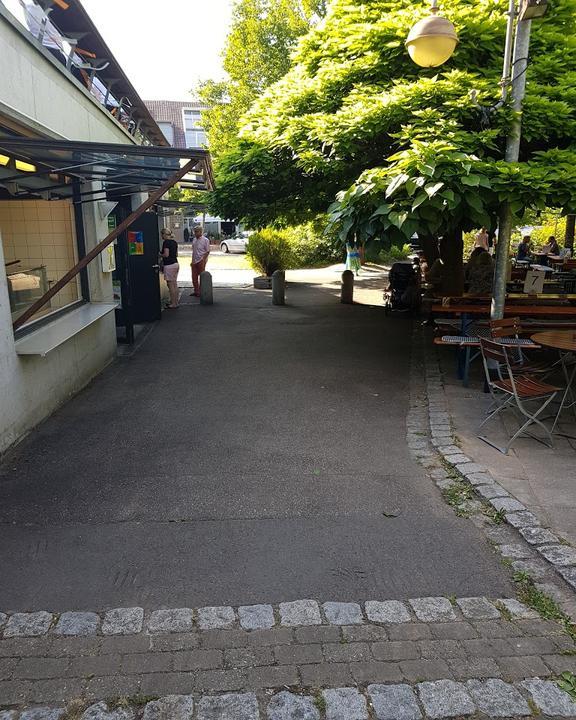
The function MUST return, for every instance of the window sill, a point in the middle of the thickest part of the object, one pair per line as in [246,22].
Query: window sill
[55,333]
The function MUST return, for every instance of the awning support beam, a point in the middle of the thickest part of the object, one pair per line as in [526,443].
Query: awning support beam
[59,284]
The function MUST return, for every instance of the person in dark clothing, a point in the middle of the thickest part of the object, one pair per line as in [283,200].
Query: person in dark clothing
[524,249]
[169,255]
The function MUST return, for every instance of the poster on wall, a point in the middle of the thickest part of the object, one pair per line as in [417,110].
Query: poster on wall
[135,242]
[108,259]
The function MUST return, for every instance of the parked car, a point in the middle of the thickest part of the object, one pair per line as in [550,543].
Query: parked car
[237,243]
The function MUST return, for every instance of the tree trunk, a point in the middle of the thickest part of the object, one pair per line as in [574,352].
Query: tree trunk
[451,252]
[569,235]
[429,245]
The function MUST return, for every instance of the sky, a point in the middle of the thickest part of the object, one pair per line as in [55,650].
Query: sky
[164,46]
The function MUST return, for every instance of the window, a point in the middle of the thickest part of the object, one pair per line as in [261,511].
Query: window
[39,246]
[195,138]
[192,119]
[168,131]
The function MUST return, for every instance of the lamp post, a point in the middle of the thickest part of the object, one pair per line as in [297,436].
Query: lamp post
[430,44]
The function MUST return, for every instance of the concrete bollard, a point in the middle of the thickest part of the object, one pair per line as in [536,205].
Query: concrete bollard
[347,291]
[278,287]
[206,295]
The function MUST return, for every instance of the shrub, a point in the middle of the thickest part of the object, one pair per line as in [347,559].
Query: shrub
[269,250]
[393,254]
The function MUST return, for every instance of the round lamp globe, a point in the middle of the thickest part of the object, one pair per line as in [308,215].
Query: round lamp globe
[431,41]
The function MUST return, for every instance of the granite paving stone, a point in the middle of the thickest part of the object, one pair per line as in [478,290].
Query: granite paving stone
[445,699]
[534,568]
[477,608]
[8,714]
[233,706]
[491,491]
[387,611]
[216,618]
[470,468]
[433,609]
[170,707]
[345,704]
[343,613]
[550,698]
[288,706]
[170,621]
[507,504]
[123,621]
[458,459]
[3,619]
[517,609]
[522,519]
[77,623]
[28,624]
[559,554]
[569,574]
[101,711]
[497,698]
[480,479]
[538,535]
[394,702]
[517,552]
[300,612]
[42,713]
[256,617]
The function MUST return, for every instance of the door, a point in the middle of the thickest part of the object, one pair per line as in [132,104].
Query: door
[143,246]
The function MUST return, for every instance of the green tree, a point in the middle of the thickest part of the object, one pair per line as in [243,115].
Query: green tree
[258,49]
[407,150]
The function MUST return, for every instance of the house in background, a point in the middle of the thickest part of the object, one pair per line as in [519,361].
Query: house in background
[181,123]
[77,143]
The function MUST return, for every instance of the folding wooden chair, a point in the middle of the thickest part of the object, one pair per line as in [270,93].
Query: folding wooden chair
[514,390]
[512,328]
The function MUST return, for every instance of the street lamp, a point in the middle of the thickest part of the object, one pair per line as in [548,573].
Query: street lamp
[430,44]
[432,40]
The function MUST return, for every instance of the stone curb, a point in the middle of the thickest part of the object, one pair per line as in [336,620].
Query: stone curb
[297,613]
[558,555]
[438,699]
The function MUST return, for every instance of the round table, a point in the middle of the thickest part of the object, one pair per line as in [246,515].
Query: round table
[559,339]
[565,342]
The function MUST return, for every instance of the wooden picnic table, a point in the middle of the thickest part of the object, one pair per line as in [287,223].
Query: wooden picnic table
[464,309]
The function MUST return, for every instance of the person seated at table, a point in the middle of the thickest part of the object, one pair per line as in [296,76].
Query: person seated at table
[479,272]
[565,252]
[551,247]
[523,253]
[481,240]
[434,276]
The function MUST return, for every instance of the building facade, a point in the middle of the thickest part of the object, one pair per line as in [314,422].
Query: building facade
[53,89]
[180,122]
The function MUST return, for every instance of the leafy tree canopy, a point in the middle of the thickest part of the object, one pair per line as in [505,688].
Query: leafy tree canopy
[418,150]
[258,48]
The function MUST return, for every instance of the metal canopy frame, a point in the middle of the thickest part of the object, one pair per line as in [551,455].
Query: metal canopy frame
[137,168]
[121,169]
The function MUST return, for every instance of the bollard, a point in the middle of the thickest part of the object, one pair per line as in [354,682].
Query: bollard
[347,292]
[278,287]
[206,295]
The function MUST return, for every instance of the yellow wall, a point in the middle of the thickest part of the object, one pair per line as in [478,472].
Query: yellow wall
[38,232]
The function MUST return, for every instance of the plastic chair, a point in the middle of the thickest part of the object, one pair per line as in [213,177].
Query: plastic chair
[514,390]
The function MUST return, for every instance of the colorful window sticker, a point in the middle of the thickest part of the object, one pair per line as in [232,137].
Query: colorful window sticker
[135,242]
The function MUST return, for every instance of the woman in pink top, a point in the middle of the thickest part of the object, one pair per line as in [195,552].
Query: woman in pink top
[200,252]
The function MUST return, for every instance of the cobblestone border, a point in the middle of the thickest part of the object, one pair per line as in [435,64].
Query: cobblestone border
[297,613]
[431,424]
[437,699]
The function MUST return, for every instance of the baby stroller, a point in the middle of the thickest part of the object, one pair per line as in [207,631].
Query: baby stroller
[403,293]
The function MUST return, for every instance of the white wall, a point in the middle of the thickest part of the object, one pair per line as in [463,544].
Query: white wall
[31,84]
[33,387]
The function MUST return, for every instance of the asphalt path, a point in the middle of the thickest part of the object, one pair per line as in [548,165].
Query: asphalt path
[245,453]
